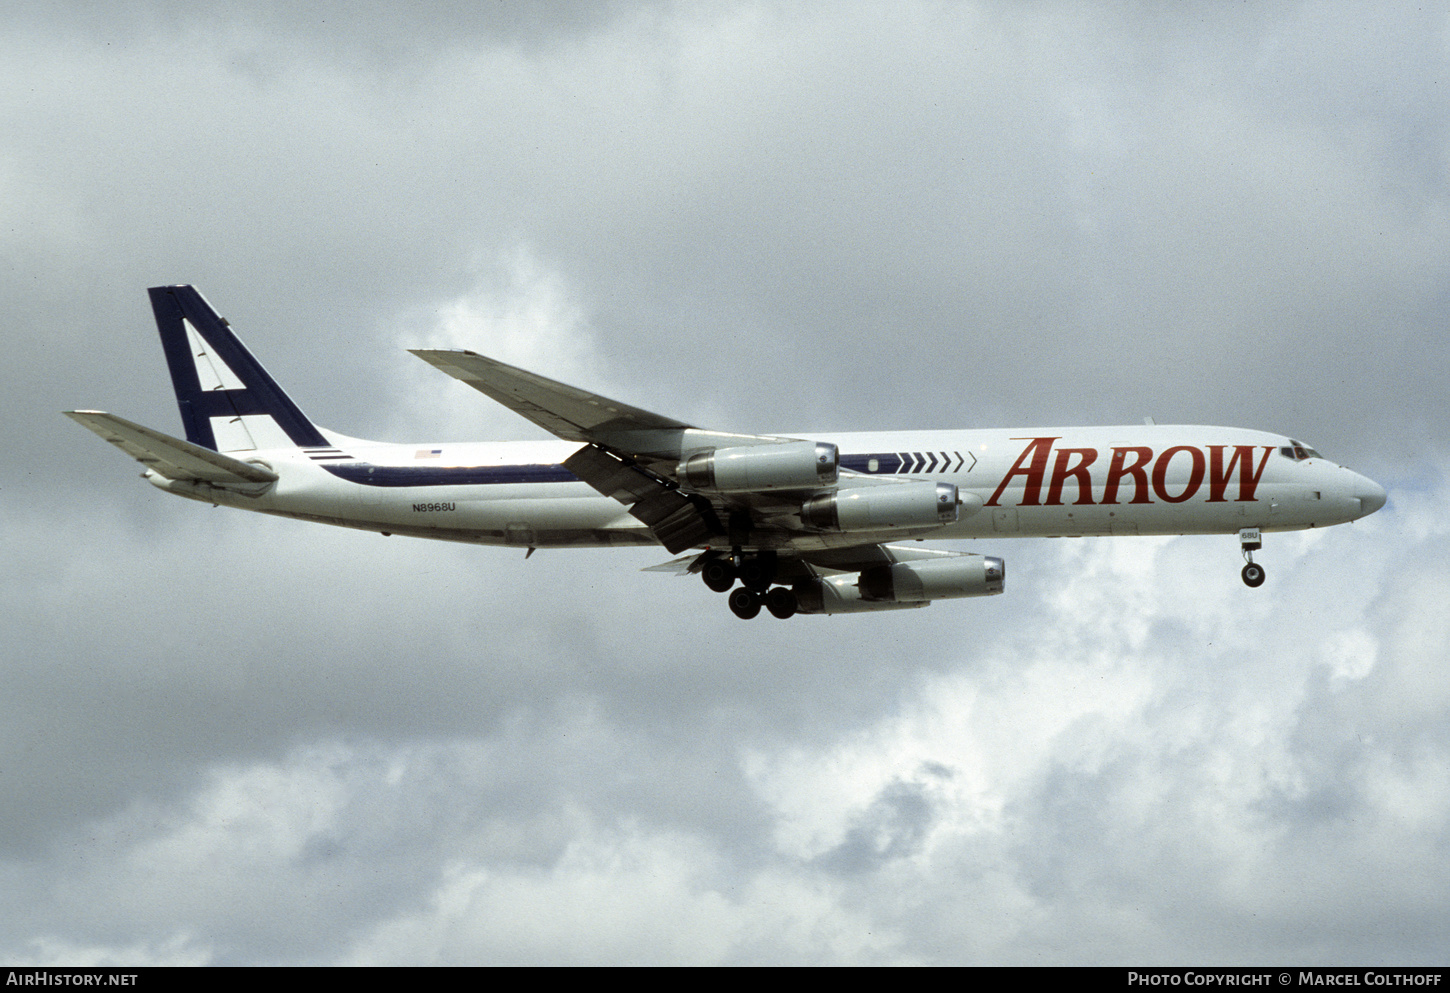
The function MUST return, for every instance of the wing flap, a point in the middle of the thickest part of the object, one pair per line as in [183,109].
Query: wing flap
[677,521]
[168,456]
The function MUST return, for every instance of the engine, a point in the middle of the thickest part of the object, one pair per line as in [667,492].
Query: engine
[795,465]
[898,505]
[934,579]
[903,584]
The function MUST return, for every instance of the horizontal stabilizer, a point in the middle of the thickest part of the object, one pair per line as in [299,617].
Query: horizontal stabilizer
[168,456]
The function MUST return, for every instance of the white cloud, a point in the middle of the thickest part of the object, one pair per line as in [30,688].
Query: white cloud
[627,896]
[177,951]
[520,311]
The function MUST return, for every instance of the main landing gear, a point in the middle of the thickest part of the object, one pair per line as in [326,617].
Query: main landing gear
[779,600]
[756,574]
[1249,543]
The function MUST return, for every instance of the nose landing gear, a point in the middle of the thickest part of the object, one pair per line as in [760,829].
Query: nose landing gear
[1249,543]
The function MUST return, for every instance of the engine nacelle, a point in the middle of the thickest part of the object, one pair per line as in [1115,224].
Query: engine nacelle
[839,595]
[902,585]
[934,579]
[896,505]
[795,465]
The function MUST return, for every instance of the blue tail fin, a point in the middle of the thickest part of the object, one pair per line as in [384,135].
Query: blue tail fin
[228,402]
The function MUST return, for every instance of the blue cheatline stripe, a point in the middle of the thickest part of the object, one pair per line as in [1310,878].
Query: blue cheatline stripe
[477,475]
[494,475]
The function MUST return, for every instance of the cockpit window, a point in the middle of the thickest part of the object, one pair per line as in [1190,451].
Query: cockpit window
[1298,451]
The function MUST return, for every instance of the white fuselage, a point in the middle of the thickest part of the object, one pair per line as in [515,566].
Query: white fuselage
[1138,479]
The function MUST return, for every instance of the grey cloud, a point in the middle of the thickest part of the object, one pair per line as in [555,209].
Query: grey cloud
[892,827]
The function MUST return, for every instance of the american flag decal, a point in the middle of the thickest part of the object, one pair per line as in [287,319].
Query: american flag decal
[427,453]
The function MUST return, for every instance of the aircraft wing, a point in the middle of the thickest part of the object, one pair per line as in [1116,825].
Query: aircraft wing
[566,411]
[639,458]
[168,456]
[630,454]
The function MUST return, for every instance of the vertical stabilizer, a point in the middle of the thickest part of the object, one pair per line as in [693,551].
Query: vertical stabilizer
[228,402]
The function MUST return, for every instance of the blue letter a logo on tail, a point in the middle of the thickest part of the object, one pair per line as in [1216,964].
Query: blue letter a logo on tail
[228,402]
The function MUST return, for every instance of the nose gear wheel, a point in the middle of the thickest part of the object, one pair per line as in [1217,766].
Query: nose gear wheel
[1250,542]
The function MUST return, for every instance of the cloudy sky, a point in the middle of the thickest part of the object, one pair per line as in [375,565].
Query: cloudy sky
[232,739]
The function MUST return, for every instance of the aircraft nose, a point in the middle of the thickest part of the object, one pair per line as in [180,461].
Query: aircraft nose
[1371,495]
